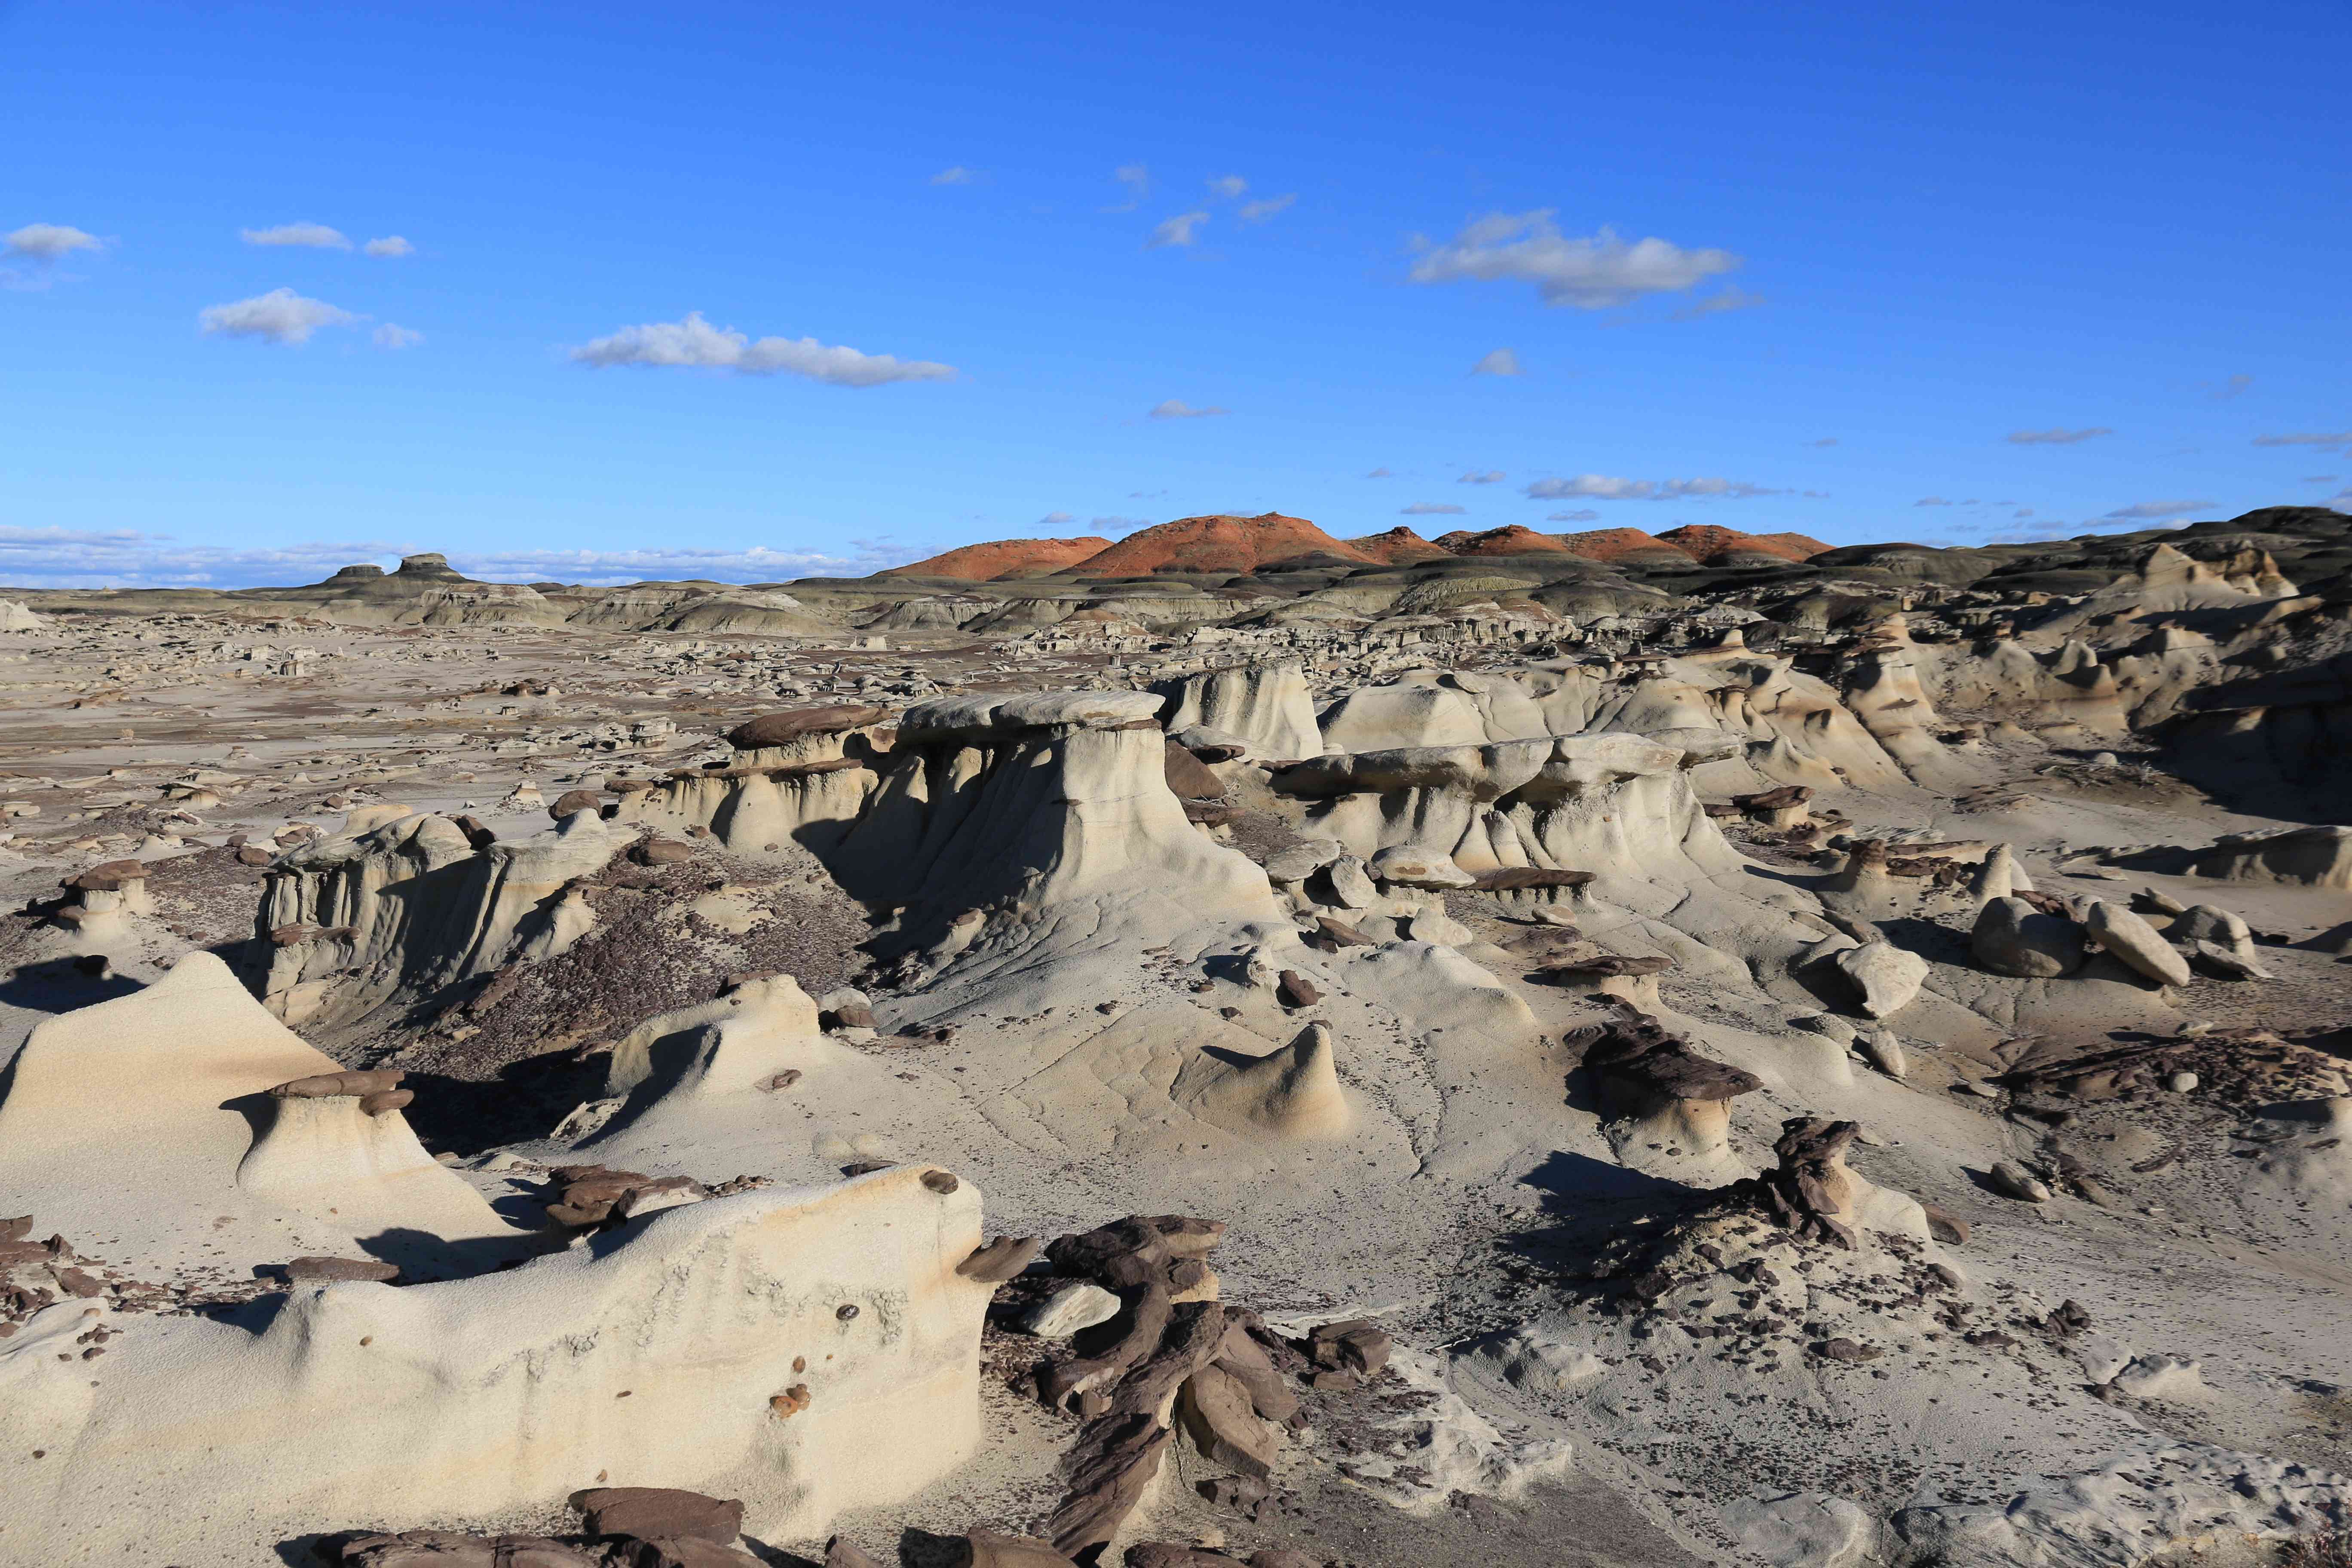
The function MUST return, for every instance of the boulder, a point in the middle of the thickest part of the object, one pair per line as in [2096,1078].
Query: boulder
[1074,1307]
[1886,977]
[2012,937]
[1411,865]
[780,729]
[2134,943]
[2011,1180]
[659,1512]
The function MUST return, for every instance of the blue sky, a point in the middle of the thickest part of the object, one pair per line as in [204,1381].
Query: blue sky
[1791,267]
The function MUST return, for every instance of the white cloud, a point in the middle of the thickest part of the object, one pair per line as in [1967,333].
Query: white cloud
[1588,273]
[1716,304]
[1499,361]
[280,316]
[1380,474]
[127,558]
[694,341]
[1177,230]
[1585,514]
[958,175]
[1056,520]
[2337,441]
[1431,508]
[317,235]
[2056,438]
[1138,181]
[49,241]
[1176,409]
[1230,186]
[1267,206]
[389,336]
[391,244]
[2181,511]
[1931,501]
[1603,487]
[2341,501]
[1491,477]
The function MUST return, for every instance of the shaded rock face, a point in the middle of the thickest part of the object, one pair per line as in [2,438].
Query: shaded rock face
[2012,937]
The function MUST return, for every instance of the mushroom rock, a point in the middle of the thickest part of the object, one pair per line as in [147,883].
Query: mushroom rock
[1294,1091]
[1414,866]
[499,1395]
[1668,1092]
[229,1114]
[1812,1191]
[803,734]
[2012,937]
[411,907]
[1189,778]
[1267,707]
[1998,876]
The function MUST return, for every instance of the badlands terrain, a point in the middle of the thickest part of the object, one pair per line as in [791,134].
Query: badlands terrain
[1231,1044]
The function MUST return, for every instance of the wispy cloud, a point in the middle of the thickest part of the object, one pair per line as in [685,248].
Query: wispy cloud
[1824,441]
[1265,207]
[1433,508]
[317,235]
[1176,409]
[1931,501]
[1585,514]
[1498,362]
[48,241]
[1589,272]
[1177,230]
[696,342]
[2147,510]
[1138,181]
[389,245]
[1603,487]
[2230,386]
[280,316]
[1475,476]
[389,336]
[2060,437]
[958,175]
[1056,520]
[1380,474]
[2336,441]
[1716,304]
[1230,186]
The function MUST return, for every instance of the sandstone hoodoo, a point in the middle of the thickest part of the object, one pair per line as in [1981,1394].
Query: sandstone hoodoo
[1590,1033]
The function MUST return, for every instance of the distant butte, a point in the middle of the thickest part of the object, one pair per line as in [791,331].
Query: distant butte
[1004,558]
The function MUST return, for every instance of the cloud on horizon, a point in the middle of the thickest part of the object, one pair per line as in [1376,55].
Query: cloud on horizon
[49,241]
[2147,510]
[2326,441]
[129,558]
[1585,514]
[695,342]
[280,316]
[1591,273]
[315,236]
[1603,487]
[2056,438]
